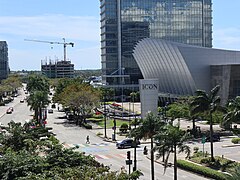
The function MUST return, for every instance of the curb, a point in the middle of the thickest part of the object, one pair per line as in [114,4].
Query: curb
[231,145]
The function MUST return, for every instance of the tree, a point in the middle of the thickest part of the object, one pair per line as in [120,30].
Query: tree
[63,83]
[18,161]
[149,127]
[13,81]
[37,83]
[38,100]
[233,112]
[169,139]
[207,103]
[81,99]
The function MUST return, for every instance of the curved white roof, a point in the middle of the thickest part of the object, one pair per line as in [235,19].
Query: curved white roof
[180,68]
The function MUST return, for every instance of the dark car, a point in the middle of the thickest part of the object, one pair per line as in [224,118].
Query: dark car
[216,137]
[50,111]
[127,143]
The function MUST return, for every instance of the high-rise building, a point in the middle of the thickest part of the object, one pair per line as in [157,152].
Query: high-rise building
[4,67]
[125,22]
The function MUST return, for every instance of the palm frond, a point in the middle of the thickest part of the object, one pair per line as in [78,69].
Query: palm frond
[215,90]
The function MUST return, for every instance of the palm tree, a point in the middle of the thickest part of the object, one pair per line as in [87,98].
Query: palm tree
[37,83]
[171,138]
[37,101]
[207,103]
[233,113]
[235,174]
[147,130]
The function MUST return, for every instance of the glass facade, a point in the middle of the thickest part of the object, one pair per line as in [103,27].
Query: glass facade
[125,22]
[4,68]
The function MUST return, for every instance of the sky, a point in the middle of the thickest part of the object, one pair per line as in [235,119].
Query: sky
[78,21]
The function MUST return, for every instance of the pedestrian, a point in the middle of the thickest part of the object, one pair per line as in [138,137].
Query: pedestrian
[123,170]
[88,141]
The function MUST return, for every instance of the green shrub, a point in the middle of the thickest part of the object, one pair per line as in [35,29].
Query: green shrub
[204,171]
[235,140]
[197,154]
[195,149]
[123,128]
[206,160]
[99,134]
[87,126]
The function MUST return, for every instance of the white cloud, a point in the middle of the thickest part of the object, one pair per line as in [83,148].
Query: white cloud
[84,31]
[54,26]
[227,38]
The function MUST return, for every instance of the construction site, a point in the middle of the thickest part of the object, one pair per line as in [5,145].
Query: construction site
[57,68]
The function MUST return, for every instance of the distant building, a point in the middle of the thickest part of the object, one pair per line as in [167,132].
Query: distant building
[125,22]
[4,66]
[58,69]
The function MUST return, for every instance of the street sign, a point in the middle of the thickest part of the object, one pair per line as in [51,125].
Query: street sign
[203,139]
[128,162]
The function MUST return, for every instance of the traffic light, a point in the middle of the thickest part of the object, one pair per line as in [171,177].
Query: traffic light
[129,155]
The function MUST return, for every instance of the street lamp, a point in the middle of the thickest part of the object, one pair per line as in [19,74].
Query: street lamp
[105,118]
[133,94]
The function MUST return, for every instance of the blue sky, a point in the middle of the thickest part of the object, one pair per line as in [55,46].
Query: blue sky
[78,21]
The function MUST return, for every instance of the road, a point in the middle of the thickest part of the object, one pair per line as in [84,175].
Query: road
[106,152]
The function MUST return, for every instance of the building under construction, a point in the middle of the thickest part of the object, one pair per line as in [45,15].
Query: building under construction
[57,69]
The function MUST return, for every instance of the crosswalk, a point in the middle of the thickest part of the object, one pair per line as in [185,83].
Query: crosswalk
[109,156]
[85,145]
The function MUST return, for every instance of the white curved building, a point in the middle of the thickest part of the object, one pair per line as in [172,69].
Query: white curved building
[182,69]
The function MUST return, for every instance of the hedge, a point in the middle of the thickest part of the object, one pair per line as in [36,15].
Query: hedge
[204,171]
[235,140]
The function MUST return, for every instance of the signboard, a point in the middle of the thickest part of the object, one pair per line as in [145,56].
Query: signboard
[128,162]
[149,96]
[203,139]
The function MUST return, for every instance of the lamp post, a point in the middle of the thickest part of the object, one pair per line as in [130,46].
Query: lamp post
[133,94]
[135,147]
[105,118]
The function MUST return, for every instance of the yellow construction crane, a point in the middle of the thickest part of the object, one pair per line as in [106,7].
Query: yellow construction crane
[51,42]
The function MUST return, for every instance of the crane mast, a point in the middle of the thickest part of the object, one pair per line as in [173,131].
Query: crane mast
[65,44]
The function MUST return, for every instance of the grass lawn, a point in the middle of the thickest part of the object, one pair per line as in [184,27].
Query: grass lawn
[110,123]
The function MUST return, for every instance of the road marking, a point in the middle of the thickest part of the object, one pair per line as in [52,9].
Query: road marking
[102,156]
[85,145]
[109,156]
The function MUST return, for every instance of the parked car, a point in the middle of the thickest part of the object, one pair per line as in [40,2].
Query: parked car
[50,111]
[22,101]
[11,108]
[216,137]
[127,143]
[9,111]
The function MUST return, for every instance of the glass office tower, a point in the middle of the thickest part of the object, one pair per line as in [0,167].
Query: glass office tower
[4,68]
[125,22]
